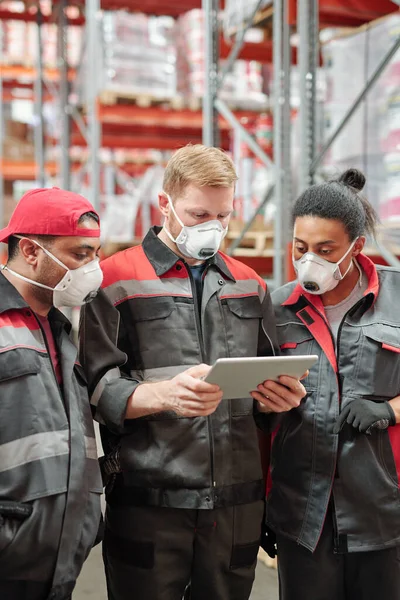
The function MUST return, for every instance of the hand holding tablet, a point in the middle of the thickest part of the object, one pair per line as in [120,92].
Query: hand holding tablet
[237,377]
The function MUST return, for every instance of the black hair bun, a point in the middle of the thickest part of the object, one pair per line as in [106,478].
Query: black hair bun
[353,178]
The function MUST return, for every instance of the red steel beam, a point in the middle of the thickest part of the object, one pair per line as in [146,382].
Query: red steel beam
[29,16]
[131,115]
[161,140]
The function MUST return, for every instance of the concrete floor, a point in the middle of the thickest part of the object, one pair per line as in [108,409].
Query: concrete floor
[91,584]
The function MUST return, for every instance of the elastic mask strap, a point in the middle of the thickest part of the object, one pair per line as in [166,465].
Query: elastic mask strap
[22,237]
[342,259]
[46,287]
[173,209]
[169,234]
[349,250]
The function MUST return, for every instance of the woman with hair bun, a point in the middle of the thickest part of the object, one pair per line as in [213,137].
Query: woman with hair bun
[334,499]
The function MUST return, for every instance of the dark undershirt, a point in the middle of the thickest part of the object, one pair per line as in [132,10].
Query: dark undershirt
[197,274]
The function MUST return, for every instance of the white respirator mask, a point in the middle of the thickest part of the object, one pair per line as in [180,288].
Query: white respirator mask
[317,275]
[77,287]
[200,241]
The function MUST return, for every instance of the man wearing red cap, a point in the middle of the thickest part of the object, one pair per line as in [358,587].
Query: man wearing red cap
[50,484]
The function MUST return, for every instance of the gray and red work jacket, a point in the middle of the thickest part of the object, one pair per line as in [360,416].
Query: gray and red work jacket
[50,482]
[310,465]
[148,325]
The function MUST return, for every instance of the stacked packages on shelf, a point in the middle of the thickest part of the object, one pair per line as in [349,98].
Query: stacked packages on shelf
[138,54]
[19,39]
[20,43]
[243,86]
[371,139]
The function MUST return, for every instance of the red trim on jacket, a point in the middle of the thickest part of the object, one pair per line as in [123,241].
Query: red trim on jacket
[390,348]
[394,437]
[123,266]
[160,295]
[314,317]
[24,346]
[240,270]
[133,264]
[288,345]
[318,327]
[17,318]
[242,295]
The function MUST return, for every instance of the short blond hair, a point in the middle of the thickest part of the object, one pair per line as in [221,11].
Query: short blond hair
[200,166]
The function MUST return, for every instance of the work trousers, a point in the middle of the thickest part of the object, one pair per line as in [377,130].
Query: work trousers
[323,575]
[29,590]
[153,553]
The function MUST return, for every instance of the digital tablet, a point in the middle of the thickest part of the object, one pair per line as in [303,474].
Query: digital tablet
[237,377]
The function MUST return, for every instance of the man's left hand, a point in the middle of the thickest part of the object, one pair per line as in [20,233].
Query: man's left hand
[279,397]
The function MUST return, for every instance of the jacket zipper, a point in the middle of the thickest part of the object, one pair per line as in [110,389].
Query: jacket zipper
[202,352]
[353,308]
[335,529]
[51,362]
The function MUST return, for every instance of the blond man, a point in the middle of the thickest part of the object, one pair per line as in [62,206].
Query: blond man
[185,491]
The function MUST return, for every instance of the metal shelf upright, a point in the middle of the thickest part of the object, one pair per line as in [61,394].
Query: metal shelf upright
[212,104]
[308,29]
[308,15]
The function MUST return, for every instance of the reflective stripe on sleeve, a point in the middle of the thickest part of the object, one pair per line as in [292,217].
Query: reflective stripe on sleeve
[98,390]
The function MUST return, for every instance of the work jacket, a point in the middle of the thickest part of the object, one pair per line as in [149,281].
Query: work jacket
[310,465]
[50,482]
[147,324]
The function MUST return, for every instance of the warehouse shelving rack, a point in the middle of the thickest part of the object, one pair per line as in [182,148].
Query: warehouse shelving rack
[306,17]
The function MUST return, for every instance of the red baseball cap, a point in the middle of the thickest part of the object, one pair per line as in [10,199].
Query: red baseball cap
[49,211]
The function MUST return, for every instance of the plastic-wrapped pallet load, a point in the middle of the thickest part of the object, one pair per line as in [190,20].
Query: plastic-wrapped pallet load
[369,141]
[138,54]
[19,43]
[243,86]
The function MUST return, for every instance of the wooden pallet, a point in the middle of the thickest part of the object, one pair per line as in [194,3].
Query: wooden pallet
[254,243]
[115,97]
[178,102]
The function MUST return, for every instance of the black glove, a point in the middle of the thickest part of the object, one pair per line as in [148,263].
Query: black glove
[268,541]
[366,415]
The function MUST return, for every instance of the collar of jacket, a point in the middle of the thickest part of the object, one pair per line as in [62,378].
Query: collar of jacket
[373,286]
[11,299]
[163,258]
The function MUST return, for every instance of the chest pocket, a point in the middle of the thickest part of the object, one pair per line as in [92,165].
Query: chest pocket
[18,386]
[153,309]
[164,332]
[154,320]
[17,363]
[295,340]
[378,366]
[242,318]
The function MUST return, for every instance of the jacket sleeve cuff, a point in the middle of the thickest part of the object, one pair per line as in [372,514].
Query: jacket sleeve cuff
[266,422]
[112,403]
